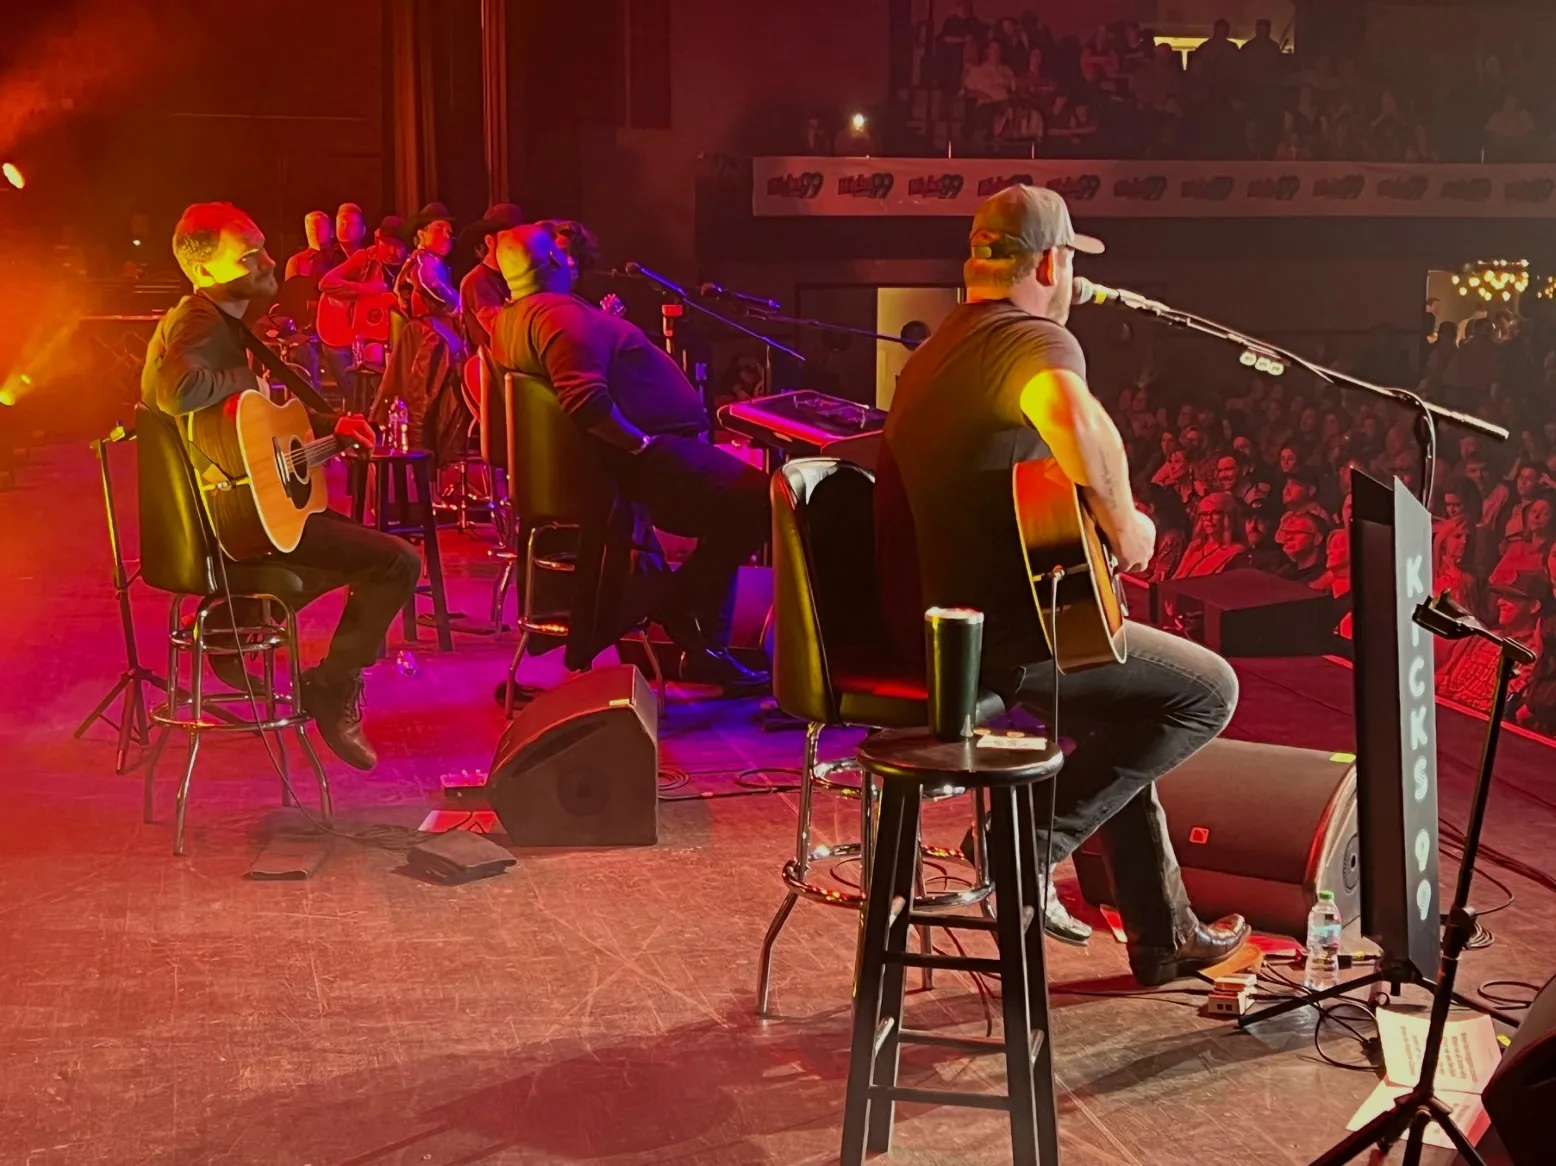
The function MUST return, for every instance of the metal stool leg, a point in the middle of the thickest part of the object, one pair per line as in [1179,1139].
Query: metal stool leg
[526,615]
[149,804]
[905,881]
[174,687]
[764,977]
[196,685]
[269,656]
[326,807]
[802,857]
[500,594]
[1015,999]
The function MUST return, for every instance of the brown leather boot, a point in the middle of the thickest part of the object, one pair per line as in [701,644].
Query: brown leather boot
[336,707]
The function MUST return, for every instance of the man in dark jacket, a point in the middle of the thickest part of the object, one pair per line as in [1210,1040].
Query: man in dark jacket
[198,358]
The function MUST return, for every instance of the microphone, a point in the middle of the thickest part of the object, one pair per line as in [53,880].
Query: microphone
[714,291]
[639,271]
[1087,292]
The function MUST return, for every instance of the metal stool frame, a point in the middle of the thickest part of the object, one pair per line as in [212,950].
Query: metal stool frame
[192,638]
[820,775]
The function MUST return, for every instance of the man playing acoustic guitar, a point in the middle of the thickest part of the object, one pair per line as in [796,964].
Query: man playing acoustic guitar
[197,358]
[1002,381]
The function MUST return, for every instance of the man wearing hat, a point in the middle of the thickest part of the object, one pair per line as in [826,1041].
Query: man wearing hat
[483,291]
[1002,381]
[650,423]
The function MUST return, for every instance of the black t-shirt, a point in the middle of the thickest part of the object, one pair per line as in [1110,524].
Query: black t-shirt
[945,520]
[594,360]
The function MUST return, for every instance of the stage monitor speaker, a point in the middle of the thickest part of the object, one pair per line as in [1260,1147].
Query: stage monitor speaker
[579,766]
[1521,1095]
[1259,830]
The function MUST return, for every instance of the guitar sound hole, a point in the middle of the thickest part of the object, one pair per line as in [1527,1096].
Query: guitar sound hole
[291,463]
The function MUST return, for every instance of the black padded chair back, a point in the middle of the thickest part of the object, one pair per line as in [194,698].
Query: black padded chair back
[176,543]
[555,473]
[826,603]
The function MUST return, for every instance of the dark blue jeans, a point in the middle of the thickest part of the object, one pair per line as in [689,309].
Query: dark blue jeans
[1132,723]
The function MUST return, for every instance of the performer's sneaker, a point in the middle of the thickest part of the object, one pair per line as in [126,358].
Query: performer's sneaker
[1058,923]
[717,667]
[1208,943]
[336,707]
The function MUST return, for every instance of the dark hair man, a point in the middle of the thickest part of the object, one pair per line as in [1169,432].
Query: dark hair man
[1002,381]
[649,420]
[197,358]
[483,291]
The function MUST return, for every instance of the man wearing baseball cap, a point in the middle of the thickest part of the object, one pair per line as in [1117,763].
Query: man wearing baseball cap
[1002,381]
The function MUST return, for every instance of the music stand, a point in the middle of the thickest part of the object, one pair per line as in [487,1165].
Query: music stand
[1442,617]
[132,723]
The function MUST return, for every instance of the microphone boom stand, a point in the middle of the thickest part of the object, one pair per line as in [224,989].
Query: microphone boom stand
[685,297]
[1427,414]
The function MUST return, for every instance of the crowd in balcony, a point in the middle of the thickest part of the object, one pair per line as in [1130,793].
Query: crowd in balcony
[1011,87]
[1261,479]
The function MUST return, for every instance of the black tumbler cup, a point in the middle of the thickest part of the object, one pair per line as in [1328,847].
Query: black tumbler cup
[953,648]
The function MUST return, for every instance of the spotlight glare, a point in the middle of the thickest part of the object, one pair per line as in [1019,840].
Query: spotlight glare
[857,121]
[13,175]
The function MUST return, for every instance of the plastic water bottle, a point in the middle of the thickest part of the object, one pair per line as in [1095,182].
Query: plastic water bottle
[1323,944]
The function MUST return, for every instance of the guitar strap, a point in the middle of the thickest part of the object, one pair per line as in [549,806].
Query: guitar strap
[277,368]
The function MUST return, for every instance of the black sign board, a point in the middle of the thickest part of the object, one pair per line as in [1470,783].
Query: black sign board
[1396,724]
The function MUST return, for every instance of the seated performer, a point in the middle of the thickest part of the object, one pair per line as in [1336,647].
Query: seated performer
[321,254]
[197,359]
[424,286]
[483,291]
[1002,381]
[650,424]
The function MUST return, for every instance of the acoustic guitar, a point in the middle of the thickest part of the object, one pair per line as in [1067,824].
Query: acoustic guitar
[341,323]
[1086,630]
[261,485]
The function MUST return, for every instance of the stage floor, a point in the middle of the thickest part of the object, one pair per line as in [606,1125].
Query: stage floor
[588,1005]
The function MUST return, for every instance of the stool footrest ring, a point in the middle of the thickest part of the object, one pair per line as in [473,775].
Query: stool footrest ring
[844,897]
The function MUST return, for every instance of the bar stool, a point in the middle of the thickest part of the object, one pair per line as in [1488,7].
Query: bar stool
[555,482]
[832,667]
[392,473]
[179,555]
[908,762]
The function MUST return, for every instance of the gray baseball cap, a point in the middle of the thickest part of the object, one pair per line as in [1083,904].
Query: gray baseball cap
[1026,220]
